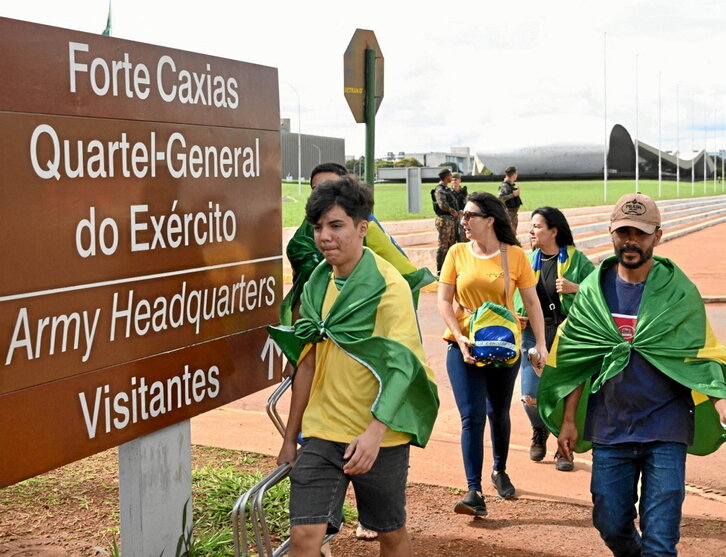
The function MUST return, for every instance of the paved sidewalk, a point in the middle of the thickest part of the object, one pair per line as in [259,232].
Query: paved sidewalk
[245,425]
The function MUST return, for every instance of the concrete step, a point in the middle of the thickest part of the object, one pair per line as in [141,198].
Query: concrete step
[596,255]
[422,232]
[593,237]
[419,238]
[584,237]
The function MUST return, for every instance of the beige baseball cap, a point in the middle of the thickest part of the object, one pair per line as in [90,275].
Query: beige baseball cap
[636,210]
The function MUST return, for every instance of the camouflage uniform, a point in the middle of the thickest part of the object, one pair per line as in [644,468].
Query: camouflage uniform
[447,217]
[511,201]
[460,197]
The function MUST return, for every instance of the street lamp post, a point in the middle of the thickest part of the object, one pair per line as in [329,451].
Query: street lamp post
[299,136]
[319,153]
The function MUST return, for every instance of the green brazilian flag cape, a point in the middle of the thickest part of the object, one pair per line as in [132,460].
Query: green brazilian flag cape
[304,256]
[671,332]
[572,264]
[408,399]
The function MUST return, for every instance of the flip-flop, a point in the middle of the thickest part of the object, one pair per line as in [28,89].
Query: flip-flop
[364,534]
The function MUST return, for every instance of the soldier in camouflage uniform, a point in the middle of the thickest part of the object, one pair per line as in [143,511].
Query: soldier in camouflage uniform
[447,216]
[509,195]
[460,194]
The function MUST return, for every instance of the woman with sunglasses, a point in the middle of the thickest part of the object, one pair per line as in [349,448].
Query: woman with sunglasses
[559,269]
[472,274]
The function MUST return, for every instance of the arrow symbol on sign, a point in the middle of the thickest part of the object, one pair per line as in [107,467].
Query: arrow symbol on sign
[270,349]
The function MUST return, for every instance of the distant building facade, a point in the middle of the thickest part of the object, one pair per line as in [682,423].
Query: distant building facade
[314,149]
[459,155]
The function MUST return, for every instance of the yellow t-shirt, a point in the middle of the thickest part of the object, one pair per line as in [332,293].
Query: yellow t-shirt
[480,279]
[344,390]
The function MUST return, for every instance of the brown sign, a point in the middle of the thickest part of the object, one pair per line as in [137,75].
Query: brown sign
[132,198]
[56,71]
[56,423]
[354,72]
[135,184]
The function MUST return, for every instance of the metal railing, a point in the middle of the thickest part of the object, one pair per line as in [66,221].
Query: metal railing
[249,507]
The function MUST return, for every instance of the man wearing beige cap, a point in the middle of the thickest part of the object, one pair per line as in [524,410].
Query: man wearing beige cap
[620,378]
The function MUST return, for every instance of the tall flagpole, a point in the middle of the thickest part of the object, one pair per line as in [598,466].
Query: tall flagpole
[637,155]
[715,149]
[605,117]
[705,153]
[660,159]
[299,140]
[678,141]
[693,148]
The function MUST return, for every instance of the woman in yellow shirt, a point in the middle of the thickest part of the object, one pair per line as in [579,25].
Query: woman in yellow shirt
[471,275]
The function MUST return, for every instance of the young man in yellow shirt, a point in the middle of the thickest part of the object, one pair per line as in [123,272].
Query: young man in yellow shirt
[362,392]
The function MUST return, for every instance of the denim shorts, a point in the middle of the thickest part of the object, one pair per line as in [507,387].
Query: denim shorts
[318,487]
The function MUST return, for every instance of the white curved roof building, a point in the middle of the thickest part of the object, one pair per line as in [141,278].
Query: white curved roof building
[572,159]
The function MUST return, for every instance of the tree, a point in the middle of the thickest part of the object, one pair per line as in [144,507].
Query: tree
[408,162]
[355,166]
[380,163]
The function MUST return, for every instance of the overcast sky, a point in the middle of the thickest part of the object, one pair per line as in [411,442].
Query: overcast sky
[487,75]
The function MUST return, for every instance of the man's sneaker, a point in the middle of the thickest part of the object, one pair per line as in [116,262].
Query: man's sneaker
[563,464]
[472,504]
[538,448]
[504,486]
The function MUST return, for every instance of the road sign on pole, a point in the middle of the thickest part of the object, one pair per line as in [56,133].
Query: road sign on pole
[363,87]
[354,72]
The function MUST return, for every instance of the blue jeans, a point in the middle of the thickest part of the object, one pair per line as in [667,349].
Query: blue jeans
[481,392]
[616,469]
[530,380]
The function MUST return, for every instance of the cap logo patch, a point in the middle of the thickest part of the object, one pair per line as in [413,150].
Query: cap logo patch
[634,208]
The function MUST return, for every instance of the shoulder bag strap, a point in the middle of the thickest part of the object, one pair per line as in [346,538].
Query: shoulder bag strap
[505,268]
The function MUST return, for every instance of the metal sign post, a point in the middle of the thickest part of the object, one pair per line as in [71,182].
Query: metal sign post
[363,88]
[370,116]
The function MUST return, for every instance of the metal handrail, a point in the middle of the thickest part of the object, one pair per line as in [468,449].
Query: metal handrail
[239,512]
[271,406]
[253,497]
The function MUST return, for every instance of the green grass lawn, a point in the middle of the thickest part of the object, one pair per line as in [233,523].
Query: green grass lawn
[391,203]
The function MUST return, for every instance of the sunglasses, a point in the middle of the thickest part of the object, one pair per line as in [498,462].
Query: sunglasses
[466,215]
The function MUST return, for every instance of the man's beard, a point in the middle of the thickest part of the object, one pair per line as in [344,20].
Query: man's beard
[644,256]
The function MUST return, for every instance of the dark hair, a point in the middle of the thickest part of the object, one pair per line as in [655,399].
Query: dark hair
[354,196]
[510,170]
[333,167]
[555,219]
[491,206]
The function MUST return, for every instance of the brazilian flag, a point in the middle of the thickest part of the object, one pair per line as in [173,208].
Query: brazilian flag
[107,30]
[408,398]
[572,264]
[672,333]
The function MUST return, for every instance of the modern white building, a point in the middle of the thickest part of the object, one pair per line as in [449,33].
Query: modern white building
[586,159]
[459,155]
